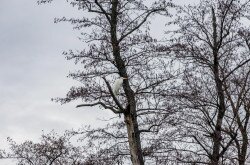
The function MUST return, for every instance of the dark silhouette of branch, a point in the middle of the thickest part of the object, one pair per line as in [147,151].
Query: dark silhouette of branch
[102,104]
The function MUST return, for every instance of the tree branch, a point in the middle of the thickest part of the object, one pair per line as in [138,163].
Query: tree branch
[104,12]
[204,148]
[231,72]
[228,144]
[139,25]
[102,104]
[149,129]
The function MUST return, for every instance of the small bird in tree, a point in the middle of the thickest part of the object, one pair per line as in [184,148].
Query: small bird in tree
[117,85]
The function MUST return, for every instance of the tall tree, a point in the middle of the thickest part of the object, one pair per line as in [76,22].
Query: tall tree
[208,43]
[237,89]
[120,45]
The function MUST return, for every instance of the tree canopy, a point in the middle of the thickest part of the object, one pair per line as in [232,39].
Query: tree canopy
[185,98]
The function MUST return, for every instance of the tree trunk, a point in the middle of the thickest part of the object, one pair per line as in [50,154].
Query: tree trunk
[221,112]
[134,139]
[130,115]
[243,153]
[215,157]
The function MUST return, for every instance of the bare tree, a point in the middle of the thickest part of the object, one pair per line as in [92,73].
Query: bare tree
[200,118]
[51,150]
[120,45]
[210,48]
[237,89]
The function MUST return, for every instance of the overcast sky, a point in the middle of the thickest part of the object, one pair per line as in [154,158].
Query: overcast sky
[33,71]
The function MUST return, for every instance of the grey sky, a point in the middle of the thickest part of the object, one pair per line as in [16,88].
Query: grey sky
[33,71]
